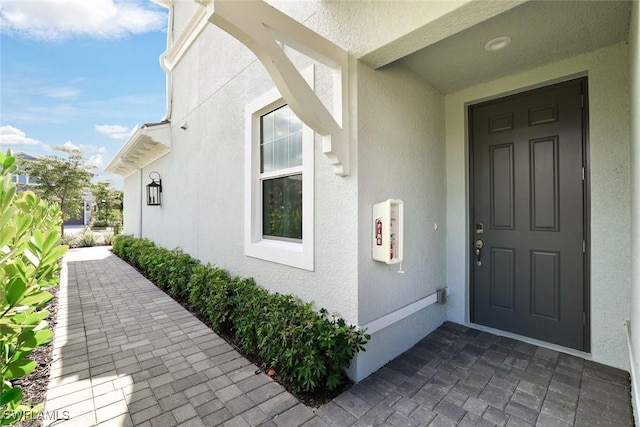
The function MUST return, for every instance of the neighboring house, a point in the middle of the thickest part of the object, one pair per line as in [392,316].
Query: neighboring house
[23,180]
[518,168]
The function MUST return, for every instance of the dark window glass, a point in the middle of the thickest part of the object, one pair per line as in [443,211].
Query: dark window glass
[282,207]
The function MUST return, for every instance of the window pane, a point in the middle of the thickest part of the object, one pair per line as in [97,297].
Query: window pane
[267,157]
[281,140]
[282,207]
[266,123]
[281,122]
[280,154]
[295,149]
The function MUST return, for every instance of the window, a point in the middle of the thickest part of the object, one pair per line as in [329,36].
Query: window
[281,174]
[278,184]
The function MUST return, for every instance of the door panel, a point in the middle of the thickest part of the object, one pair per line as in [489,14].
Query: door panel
[527,155]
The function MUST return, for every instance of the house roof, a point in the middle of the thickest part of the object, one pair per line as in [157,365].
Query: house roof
[147,144]
[26,156]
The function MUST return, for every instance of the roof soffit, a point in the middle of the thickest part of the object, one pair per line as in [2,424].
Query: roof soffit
[145,145]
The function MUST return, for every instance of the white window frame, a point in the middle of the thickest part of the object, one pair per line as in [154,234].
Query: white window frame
[291,253]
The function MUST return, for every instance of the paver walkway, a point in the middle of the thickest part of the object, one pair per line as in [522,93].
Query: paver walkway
[126,354]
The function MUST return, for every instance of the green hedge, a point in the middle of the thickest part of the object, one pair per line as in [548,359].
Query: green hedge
[309,350]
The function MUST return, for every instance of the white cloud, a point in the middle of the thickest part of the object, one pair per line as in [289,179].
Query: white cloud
[70,146]
[63,19]
[114,131]
[95,160]
[10,135]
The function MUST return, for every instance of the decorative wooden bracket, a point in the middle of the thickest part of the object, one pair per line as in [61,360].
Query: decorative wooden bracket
[260,27]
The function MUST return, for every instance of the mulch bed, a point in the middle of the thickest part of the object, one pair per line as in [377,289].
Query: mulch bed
[34,385]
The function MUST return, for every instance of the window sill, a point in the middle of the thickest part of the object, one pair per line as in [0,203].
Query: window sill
[281,252]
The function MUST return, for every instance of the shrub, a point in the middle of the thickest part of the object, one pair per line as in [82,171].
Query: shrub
[180,270]
[30,251]
[107,238]
[70,240]
[308,349]
[86,239]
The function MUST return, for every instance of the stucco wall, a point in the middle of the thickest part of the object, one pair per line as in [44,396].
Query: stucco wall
[610,182]
[203,179]
[634,92]
[132,201]
[401,155]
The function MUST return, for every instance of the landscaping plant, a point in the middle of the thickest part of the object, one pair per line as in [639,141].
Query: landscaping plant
[309,350]
[30,251]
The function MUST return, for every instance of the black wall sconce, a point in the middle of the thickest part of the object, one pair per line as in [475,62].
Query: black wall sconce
[154,191]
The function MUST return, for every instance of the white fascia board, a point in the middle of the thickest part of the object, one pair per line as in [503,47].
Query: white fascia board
[144,146]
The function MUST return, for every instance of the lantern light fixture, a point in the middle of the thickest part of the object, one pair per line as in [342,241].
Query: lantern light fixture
[154,190]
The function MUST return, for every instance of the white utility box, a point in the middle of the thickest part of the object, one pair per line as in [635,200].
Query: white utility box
[388,227]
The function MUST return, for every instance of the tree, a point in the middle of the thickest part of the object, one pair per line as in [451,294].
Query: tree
[108,204]
[61,180]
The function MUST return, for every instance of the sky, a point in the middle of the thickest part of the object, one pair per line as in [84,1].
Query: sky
[80,74]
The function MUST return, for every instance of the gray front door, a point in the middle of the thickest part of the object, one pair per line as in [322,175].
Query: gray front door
[528,214]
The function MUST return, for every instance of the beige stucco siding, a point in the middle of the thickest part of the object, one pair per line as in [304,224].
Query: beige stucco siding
[610,183]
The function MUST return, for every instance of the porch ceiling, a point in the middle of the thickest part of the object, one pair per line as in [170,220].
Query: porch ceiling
[542,32]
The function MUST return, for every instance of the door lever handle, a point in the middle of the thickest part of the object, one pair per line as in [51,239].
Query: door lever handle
[479,245]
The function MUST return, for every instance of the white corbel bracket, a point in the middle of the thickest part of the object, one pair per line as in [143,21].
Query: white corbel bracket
[260,27]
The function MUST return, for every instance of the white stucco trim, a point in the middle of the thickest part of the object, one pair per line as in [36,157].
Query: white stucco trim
[398,315]
[187,37]
[145,145]
[293,254]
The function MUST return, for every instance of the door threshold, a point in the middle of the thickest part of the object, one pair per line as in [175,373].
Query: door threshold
[533,341]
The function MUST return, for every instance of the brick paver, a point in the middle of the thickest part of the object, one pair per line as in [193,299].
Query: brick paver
[126,354]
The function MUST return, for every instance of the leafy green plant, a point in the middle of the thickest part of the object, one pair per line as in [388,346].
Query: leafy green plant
[30,251]
[180,271]
[309,349]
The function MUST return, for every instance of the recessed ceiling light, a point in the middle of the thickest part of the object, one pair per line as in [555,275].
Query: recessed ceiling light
[497,43]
